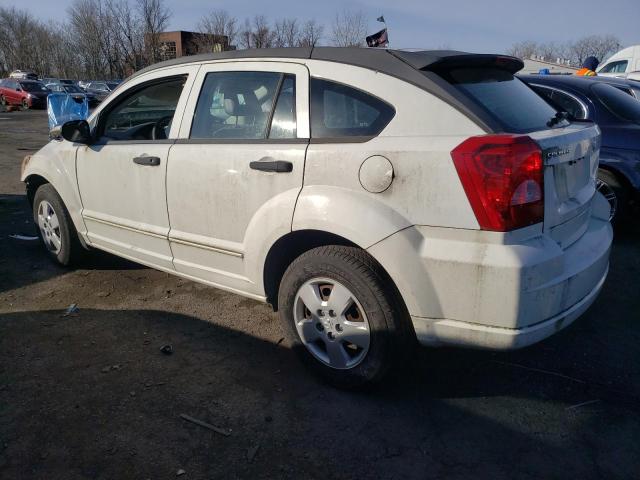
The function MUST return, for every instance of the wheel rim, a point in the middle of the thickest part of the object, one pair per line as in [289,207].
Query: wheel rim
[25,105]
[610,194]
[49,227]
[331,323]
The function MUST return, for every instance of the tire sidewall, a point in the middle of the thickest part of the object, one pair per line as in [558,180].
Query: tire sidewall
[48,193]
[383,329]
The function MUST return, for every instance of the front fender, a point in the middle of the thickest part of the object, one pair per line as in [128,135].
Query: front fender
[356,216]
[56,163]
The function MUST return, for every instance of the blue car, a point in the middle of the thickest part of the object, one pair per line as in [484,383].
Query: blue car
[614,104]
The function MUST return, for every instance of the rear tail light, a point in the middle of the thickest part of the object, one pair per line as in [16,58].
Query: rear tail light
[503,178]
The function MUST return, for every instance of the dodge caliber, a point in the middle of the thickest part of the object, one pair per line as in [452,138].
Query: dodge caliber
[373,197]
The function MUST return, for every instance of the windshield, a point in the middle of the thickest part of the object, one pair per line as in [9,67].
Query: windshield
[621,104]
[33,87]
[73,89]
[506,98]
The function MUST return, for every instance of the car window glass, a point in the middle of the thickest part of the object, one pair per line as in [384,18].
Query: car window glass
[338,110]
[235,105]
[562,102]
[506,98]
[617,102]
[283,123]
[146,114]
[615,67]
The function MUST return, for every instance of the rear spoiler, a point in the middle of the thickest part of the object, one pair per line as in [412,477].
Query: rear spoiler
[446,60]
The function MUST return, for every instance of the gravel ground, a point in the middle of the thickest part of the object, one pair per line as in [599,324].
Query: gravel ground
[90,395]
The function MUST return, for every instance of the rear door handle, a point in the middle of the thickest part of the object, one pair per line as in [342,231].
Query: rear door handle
[147,161]
[268,164]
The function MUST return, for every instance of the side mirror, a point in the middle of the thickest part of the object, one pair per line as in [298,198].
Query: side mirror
[76,131]
[18,89]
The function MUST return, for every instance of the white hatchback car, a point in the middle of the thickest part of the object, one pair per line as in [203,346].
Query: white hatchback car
[371,196]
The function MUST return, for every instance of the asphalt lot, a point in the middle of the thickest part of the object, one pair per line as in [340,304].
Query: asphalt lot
[90,395]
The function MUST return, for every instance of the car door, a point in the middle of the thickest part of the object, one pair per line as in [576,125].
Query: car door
[122,175]
[13,94]
[235,172]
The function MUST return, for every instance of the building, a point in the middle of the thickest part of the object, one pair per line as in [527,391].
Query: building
[181,43]
[535,64]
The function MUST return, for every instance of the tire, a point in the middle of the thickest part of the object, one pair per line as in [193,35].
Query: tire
[375,318]
[3,104]
[55,228]
[616,194]
[24,105]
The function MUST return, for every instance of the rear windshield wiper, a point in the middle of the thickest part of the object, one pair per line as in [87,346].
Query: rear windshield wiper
[557,118]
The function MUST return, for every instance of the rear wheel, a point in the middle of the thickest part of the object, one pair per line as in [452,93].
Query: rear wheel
[615,193]
[343,316]
[55,227]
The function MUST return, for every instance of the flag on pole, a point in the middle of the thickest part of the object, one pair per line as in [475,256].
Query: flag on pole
[381,19]
[380,39]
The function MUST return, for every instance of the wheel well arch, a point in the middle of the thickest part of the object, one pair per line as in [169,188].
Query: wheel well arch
[34,182]
[289,247]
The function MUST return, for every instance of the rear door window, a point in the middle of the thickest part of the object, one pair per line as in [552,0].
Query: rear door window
[515,106]
[562,101]
[621,104]
[338,110]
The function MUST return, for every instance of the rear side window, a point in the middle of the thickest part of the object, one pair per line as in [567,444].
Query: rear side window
[238,105]
[516,107]
[621,104]
[338,110]
[562,102]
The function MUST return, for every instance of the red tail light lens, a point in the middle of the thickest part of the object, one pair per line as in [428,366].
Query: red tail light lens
[503,178]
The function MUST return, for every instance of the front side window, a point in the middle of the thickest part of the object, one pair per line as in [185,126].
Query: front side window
[239,105]
[615,67]
[338,110]
[145,114]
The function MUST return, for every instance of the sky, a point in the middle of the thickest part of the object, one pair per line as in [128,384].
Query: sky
[476,26]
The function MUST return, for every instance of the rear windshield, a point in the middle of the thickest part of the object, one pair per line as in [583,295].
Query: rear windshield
[621,104]
[506,98]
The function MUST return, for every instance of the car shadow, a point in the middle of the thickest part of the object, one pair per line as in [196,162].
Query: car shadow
[91,395]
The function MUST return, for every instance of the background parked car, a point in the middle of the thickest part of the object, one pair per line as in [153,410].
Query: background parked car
[101,89]
[23,93]
[75,90]
[614,104]
[621,64]
[23,75]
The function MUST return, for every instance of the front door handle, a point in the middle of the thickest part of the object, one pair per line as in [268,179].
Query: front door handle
[268,164]
[147,161]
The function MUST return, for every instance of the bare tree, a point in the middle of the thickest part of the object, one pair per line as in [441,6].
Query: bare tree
[349,29]
[286,33]
[154,15]
[261,36]
[246,35]
[310,34]
[216,25]
[524,50]
[599,46]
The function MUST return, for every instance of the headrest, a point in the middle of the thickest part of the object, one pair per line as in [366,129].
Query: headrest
[233,108]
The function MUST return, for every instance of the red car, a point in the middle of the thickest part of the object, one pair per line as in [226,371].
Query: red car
[23,93]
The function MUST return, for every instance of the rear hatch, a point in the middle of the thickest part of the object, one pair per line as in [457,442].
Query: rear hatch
[570,150]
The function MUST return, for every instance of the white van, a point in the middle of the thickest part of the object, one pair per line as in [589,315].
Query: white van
[622,63]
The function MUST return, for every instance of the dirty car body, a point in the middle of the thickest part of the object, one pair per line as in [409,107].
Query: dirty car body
[372,196]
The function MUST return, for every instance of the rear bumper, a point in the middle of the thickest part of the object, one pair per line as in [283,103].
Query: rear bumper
[453,332]
[492,290]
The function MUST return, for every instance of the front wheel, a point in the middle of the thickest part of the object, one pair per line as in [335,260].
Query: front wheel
[55,226]
[24,105]
[343,316]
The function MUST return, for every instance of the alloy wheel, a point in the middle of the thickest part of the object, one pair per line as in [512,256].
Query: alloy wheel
[49,227]
[331,323]
[610,195]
